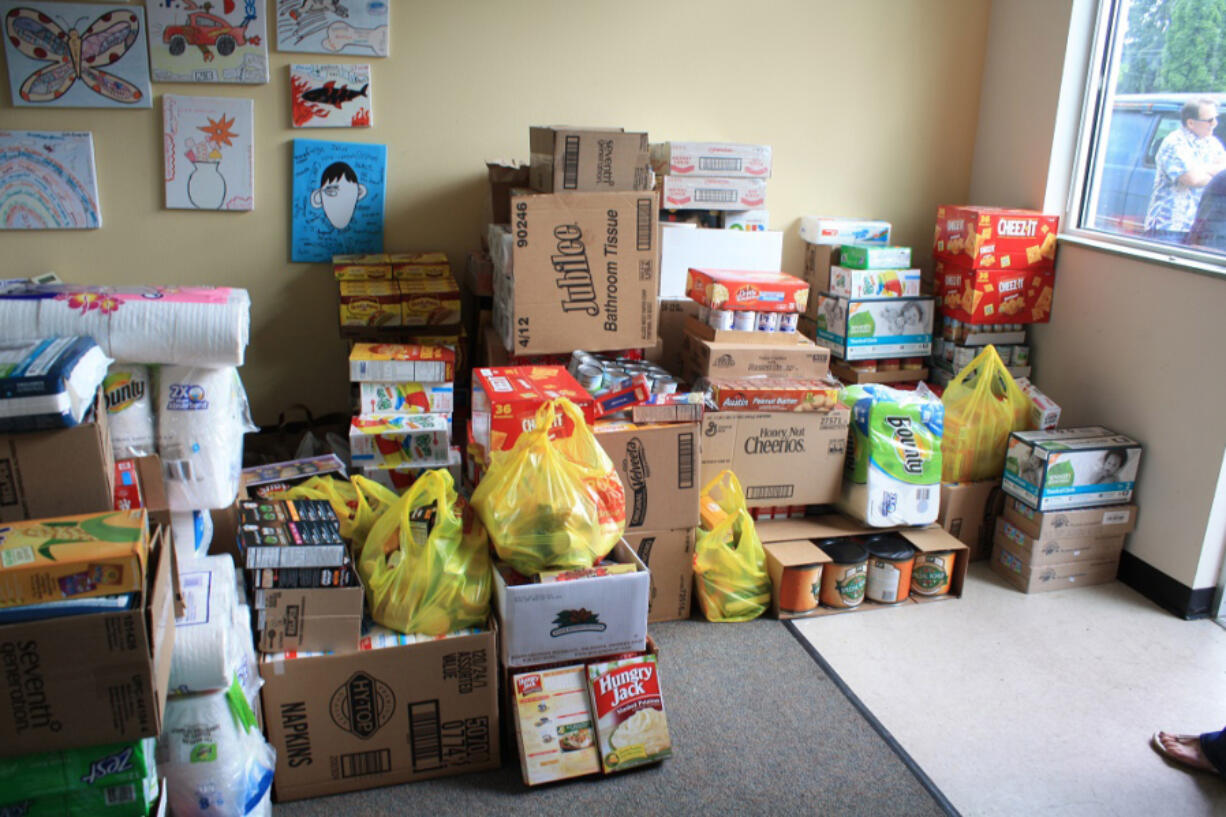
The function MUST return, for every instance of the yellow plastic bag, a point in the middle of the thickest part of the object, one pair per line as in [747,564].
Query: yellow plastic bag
[370,501]
[730,575]
[982,406]
[426,570]
[340,494]
[552,504]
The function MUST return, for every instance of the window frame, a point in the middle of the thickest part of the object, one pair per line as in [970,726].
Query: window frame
[1105,48]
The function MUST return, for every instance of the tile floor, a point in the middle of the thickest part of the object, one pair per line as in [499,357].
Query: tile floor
[1039,704]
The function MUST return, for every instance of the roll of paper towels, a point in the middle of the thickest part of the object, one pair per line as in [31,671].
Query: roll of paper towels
[203,657]
[201,418]
[129,409]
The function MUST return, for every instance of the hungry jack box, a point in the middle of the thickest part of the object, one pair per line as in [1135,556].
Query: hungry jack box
[995,237]
[629,710]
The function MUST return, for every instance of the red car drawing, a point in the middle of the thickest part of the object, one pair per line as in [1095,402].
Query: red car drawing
[204,30]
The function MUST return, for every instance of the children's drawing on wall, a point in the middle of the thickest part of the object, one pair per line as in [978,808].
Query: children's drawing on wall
[351,27]
[338,199]
[47,181]
[330,96]
[208,150]
[53,48]
[208,41]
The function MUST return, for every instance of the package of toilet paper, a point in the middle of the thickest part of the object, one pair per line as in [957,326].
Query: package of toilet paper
[204,658]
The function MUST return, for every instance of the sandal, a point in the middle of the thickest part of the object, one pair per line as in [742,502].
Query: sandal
[1182,761]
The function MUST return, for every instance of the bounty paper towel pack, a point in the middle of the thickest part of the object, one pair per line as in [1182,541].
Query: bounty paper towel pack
[129,409]
[894,466]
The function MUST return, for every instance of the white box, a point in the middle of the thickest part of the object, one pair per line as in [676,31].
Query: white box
[824,230]
[874,283]
[397,440]
[710,193]
[402,478]
[711,159]
[1044,412]
[747,220]
[536,627]
[680,249]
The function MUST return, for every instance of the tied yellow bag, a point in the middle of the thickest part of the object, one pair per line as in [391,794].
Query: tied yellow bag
[427,571]
[982,406]
[552,504]
[356,503]
[729,563]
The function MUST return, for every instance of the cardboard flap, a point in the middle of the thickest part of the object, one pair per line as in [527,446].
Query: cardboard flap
[931,539]
[800,553]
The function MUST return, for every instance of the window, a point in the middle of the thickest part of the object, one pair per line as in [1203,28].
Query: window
[1152,163]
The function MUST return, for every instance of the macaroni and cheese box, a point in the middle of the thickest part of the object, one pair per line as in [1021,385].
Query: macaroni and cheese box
[867,329]
[874,256]
[370,303]
[708,193]
[992,296]
[995,237]
[361,267]
[874,283]
[1071,468]
[711,159]
[401,362]
[72,557]
[394,440]
[629,710]
[745,289]
[505,401]
[406,398]
[554,725]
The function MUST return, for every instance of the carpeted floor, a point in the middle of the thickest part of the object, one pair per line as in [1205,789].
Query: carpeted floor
[758,727]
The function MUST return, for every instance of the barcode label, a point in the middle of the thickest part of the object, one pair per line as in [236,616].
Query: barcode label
[570,163]
[708,195]
[118,795]
[425,738]
[769,492]
[685,461]
[922,494]
[643,229]
[361,764]
[719,164]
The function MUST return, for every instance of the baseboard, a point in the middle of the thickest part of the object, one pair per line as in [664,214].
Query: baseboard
[1164,591]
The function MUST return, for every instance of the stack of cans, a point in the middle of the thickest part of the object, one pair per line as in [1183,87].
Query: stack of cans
[599,374]
[747,320]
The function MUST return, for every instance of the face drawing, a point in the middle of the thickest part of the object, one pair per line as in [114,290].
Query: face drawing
[338,194]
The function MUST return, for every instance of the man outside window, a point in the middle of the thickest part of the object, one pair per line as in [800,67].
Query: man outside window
[1188,158]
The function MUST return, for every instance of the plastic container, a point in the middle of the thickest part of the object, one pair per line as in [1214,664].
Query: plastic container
[932,573]
[890,559]
[843,580]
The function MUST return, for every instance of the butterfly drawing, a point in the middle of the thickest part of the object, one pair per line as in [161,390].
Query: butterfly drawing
[74,55]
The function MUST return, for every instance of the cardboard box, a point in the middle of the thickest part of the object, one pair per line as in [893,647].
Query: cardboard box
[328,618]
[780,459]
[58,473]
[783,557]
[673,314]
[479,274]
[847,374]
[505,402]
[370,303]
[711,159]
[401,363]
[863,329]
[1071,468]
[711,358]
[682,247]
[1087,523]
[994,296]
[584,273]
[90,679]
[1036,553]
[819,258]
[779,394]
[669,556]
[362,267]
[588,160]
[995,237]
[689,193]
[964,513]
[1011,566]
[747,289]
[380,717]
[839,231]
[570,621]
[504,176]
[658,467]
[698,329]
[874,283]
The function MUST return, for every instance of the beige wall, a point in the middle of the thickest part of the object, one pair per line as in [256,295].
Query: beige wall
[855,97]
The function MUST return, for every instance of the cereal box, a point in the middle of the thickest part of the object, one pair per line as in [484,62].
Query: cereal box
[773,394]
[743,289]
[365,267]
[994,296]
[370,303]
[395,440]
[406,398]
[401,362]
[505,401]
[629,709]
[554,725]
[72,557]
[874,283]
[995,237]
[690,193]
[429,300]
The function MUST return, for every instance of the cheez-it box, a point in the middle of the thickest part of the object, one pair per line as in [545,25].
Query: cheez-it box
[506,399]
[989,296]
[995,237]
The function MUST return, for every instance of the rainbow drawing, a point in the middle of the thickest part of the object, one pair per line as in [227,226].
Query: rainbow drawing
[47,181]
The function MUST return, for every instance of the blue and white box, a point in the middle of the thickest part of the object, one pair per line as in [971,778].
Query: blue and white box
[1071,468]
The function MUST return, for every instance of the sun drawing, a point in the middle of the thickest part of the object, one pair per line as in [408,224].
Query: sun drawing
[219,130]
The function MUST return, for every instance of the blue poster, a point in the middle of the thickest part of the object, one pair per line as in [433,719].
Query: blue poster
[338,199]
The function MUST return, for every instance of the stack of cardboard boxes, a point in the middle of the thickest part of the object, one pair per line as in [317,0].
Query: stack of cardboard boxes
[396,291]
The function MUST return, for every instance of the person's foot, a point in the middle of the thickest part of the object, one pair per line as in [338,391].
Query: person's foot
[1183,749]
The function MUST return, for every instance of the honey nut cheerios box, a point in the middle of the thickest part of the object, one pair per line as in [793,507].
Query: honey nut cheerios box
[995,237]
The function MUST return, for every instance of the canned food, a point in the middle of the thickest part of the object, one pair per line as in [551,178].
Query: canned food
[768,321]
[704,312]
[720,320]
[1006,354]
[789,321]
[744,320]
[891,364]
[590,377]
[664,385]
[912,364]
[1021,355]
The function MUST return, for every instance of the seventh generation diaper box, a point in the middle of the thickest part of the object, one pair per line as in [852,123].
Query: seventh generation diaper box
[1071,468]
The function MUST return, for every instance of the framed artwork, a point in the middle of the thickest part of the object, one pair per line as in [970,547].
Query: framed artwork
[208,150]
[338,195]
[348,27]
[53,49]
[209,41]
[331,96]
[47,181]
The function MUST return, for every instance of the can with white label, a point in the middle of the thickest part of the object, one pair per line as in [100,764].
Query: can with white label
[745,320]
[720,319]
[789,322]
[768,321]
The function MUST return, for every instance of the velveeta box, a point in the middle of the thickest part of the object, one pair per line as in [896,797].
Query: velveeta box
[995,237]
[429,300]
[742,289]
[363,267]
[72,557]
[991,296]
[370,303]
[419,264]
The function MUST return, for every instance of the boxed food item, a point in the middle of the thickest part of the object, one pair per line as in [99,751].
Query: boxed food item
[429,300]
[406,398]
[1044,413]
[629,710]
[753,221]
[784,359]
[874,256]
[966,512]
[378,717]
[995,296]
[92,678]
[584,274]
[710,193]
[554,725]
[1071,468]
[395,440]
[746,289]
[370,303]
[772,394]
[506,399]
[419,265]
[362,267]
[874,283]
[995,237]
[1087,523]
[658,467]
[566,159]
[570,621]
[678,407]
[1013,566]
[402,478]
[401,363]
[711,159]
[779,458]
[795,569]
[863,329]
[839,231]
[669,556]
[1038,552]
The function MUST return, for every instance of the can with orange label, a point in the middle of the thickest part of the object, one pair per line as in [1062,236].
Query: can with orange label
[932,573]
[844,578]
[890,559]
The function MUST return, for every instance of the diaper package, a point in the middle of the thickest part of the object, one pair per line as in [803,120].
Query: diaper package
[873,328]
[893,472]
[48,383]
[1068,468]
